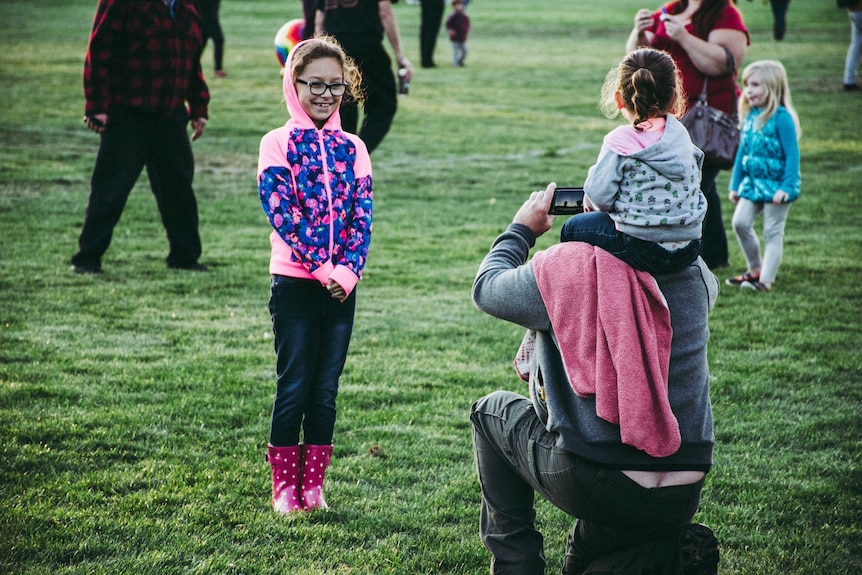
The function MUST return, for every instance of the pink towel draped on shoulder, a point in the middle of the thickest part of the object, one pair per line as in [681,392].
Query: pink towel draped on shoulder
[613,328]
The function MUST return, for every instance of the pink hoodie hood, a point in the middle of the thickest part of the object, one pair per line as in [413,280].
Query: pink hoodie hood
[298,116]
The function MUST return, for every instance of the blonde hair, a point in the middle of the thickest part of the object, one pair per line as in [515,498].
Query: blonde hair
[327,47]
[649,84]
[773,77]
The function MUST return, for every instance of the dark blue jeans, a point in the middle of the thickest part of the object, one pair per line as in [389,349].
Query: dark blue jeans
[597,229]
[312,333]
[618,520]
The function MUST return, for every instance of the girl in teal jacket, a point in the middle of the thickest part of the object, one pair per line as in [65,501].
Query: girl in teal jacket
[766,176]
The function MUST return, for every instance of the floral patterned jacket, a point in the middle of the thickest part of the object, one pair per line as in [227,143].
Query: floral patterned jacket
[315,189]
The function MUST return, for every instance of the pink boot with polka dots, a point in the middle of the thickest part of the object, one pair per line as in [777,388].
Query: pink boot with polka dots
[315,460]
[285,478]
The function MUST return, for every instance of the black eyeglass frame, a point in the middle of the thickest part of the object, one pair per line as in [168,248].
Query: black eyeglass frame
[331,87]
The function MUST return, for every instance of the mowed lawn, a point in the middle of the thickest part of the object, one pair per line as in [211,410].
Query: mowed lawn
[134,406]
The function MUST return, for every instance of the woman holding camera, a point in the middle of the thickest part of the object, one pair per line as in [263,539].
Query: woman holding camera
[699,35]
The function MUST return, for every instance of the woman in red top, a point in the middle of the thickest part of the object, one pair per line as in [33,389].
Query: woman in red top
[696,33]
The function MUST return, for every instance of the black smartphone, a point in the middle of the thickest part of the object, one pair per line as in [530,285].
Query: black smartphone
[567,201]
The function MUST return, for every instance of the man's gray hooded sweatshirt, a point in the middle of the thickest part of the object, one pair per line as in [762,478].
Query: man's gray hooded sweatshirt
[506,287]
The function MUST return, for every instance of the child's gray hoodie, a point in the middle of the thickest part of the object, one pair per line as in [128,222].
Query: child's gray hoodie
[652,194]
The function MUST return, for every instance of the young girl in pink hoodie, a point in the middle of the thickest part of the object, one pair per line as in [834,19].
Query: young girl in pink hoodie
[314,182]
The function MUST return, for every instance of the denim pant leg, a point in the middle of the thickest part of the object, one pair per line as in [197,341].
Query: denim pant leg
[854,50]
[501,426]
[651,257]
[312,333]
[597,229]
[743,225]
[516,455]
[319,423]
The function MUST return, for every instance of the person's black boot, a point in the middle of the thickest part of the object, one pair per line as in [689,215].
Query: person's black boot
[697,550]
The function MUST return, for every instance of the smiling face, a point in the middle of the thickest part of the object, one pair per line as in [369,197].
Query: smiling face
[319,108]
[755,90]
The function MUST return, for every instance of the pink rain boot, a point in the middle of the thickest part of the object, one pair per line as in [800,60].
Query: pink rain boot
[285,478]
[315,460]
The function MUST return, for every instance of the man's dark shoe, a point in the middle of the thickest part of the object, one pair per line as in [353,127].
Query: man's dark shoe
[87,269]
[852,88]
[192,267]
[697,550]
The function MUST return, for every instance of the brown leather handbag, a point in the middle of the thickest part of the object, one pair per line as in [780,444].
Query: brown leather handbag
[713,131]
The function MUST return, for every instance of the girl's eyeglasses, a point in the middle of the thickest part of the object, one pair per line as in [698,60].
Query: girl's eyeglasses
[320,88]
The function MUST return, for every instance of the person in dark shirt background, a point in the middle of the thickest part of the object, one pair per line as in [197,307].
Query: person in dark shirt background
[359,26]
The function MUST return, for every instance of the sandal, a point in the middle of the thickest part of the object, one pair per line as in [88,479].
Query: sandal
[741,279]
[755,286]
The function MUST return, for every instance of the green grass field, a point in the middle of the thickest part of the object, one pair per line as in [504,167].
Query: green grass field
[134,406]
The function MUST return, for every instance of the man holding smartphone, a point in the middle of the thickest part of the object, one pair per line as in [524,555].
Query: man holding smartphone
[633,502]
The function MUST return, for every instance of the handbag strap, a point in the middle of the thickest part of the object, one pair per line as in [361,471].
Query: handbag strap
[731,63]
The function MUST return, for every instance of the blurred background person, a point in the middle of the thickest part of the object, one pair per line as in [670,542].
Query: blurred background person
[779,17]
[458,25]
[143,85]
[696,33]
[212,29]
[359,26]
[429,28]
[854,51]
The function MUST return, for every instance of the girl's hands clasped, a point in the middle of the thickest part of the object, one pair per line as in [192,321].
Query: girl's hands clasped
[336,290]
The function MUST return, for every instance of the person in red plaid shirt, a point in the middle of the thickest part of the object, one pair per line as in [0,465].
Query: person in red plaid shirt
[143,85]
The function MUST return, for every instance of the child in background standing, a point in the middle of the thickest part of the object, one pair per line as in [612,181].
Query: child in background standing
[646,181]
[766,174]
[458,25]
[314,182]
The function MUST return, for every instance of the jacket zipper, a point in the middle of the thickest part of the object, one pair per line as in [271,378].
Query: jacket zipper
[326,182]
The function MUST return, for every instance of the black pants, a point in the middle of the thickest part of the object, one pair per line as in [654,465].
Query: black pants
[212,29]
[779,17]
[308,12]
[131,141]
[714,250]
[381,97]
[429,28]
[621,527]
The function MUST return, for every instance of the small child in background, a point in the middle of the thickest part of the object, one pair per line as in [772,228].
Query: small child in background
[765,176]
[314,182]
[458,25]
[643,199]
